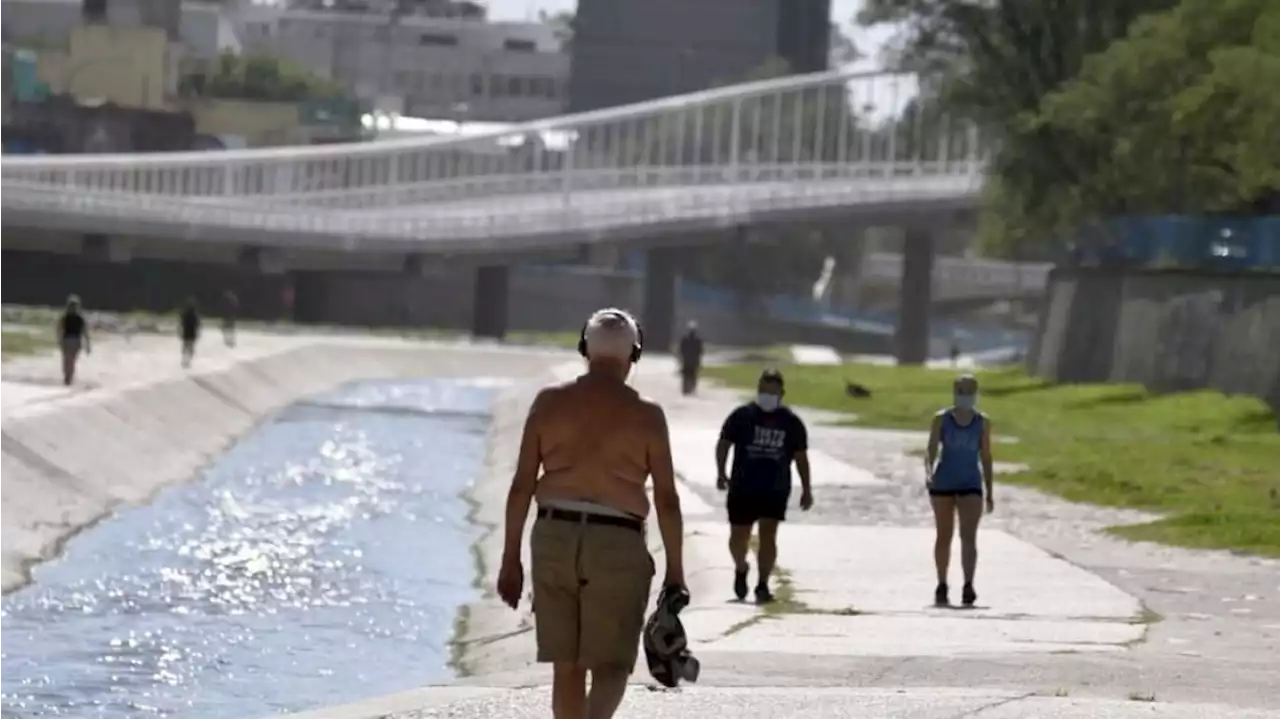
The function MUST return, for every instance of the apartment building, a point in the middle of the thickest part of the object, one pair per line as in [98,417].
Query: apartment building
[425,58]
[451,65]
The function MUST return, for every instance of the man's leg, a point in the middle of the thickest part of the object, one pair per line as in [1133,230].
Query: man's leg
[617,574]
[766,556]
[742,517]
[553,548]
[568,691]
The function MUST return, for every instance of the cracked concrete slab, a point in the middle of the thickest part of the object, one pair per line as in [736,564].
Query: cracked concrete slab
[890,569]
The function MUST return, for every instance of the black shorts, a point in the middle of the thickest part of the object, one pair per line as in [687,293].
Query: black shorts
[967,492]
[747,508]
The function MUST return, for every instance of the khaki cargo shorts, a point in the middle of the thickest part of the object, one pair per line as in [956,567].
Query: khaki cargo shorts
[590,591]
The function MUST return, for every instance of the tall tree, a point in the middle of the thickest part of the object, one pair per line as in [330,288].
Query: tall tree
[1182,116]
[996,60]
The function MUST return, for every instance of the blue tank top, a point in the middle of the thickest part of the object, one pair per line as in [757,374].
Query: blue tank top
[959,467]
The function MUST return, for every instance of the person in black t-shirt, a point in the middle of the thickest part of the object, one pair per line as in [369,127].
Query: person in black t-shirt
[766,438]
[189,330]
[73,335]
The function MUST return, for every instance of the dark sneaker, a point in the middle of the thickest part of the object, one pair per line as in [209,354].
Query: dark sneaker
[968,596]
[941,595]
[763,595]
[740,584]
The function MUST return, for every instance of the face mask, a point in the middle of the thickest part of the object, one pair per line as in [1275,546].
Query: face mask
[768,402]
[966,401]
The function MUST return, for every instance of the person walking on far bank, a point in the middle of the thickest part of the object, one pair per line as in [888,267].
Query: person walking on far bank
[766,439]
[73,335]
[596,442]
[691,348]
[230,309]
[189,330]
[956,483]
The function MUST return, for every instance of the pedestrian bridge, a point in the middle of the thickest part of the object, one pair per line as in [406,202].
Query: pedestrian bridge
[839,143]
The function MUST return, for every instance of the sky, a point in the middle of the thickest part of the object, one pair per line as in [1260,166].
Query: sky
[842,12]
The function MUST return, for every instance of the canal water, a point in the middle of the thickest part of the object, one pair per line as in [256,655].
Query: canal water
[321,560]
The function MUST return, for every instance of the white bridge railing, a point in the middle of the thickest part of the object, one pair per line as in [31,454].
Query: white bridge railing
[831,139]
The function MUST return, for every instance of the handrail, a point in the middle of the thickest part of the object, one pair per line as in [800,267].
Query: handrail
[741,91]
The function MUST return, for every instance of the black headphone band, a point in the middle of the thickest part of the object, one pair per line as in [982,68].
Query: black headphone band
[637,349]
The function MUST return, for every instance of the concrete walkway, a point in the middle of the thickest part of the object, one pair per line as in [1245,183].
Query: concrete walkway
[857,634]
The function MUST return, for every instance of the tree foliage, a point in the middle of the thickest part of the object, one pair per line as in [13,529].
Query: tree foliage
[1183,114]
[994,61]
[259,77]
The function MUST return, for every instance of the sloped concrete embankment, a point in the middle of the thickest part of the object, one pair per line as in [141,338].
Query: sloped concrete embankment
[68,464]
[1168,330]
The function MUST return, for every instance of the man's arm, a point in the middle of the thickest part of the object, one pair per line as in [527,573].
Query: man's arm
[666,500]
[727,432]
[984,450]
[800,453]
[525,481]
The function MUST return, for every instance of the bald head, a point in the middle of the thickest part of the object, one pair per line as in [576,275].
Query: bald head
[611,334]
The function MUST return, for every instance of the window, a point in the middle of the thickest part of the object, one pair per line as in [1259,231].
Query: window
[515,45]
[515,86]
[436,39]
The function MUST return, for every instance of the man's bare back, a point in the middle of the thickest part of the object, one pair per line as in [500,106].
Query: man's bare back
[595,438]
[589,446]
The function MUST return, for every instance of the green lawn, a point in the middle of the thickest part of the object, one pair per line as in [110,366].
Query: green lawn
[17,344]
[1209,463]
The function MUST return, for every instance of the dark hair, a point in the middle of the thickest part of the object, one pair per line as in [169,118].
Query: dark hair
[772,375]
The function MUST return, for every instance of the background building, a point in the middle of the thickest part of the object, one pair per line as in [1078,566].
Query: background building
[428,58]
[425,59]
[627,51]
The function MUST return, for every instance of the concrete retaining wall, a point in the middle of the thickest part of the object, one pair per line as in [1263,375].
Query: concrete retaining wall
[68,464]
[540,300]
[1167,330]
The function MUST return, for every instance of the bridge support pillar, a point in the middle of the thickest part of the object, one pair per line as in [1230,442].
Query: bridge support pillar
[598,255]
[915,298]
[261,260]
[413,265]
[104,248]
[489,312]
[659,314]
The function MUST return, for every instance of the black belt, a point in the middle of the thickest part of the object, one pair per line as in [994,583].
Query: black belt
[568,515]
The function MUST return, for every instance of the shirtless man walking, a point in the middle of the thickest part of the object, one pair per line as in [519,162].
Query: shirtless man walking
[596,442]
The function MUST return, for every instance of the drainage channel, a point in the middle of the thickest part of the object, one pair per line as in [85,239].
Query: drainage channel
[322,559]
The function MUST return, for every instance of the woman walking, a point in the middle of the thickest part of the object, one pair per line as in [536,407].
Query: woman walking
[958,482]
[73,335]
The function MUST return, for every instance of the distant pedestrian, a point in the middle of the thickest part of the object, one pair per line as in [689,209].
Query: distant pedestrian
[73,335]
[230,309]
[189,330]
[956,483]
[955,352]
[691,348]
[766,439]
